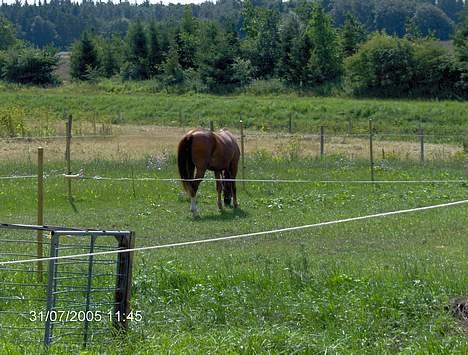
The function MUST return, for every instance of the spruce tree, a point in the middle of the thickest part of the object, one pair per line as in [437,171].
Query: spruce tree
[137,66]
[294,51]
[353,35]
[325,61]
[84,59]
[155,56]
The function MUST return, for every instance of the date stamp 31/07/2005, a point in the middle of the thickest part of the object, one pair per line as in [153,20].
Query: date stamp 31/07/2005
[82,316]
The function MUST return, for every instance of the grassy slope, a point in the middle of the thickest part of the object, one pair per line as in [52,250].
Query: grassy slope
[371,286]
[139,104]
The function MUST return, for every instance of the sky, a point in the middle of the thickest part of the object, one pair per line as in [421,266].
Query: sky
[131,1]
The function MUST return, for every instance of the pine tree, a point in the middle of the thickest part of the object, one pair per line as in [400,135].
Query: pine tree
[325,61]
[84,59]
[461,39]
[7,34]
[109,64]
[173,73]
[155,56]
[137,67]
[186,40]
[294,51]
[353,35]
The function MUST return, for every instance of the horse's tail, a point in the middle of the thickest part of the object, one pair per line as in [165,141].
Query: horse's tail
[185,163]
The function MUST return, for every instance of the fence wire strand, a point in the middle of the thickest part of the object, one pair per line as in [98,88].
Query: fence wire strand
[239,236]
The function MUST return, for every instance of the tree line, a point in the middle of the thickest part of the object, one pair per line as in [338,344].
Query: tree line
[62,22]
[303,49]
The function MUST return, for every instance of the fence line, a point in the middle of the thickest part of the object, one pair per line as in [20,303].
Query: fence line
[255,135]
[13,177]
[232,237]
[298,181]
[270,180]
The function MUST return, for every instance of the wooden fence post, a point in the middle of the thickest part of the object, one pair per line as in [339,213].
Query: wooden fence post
[322,141]
[371,150]
[94,123]
[421,144]
[465,151]
[40,209]
[211,126]
[242,150]
[68,154]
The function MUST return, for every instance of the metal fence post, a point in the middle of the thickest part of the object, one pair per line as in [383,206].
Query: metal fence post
[51,288]
[88,289]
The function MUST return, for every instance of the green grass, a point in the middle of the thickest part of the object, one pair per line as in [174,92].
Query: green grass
[137,103]
[372,286]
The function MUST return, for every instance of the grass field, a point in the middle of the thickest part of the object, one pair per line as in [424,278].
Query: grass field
[375,286]
[124,103]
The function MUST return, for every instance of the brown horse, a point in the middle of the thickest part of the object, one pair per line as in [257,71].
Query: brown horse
[205,150]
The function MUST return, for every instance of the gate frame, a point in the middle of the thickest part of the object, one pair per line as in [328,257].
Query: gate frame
[122,294]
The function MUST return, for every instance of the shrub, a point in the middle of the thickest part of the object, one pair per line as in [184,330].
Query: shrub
[436,71]
[382,66]
[29,66]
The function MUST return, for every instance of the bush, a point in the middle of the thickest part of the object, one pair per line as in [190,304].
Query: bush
[382,66]
[436,72]
[29,66]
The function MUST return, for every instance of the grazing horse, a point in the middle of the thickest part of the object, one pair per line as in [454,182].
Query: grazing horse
[205,150]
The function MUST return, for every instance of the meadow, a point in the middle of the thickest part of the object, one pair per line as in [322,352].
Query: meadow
[374,286]
[139,103]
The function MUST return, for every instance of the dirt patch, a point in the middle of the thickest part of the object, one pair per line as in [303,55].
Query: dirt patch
[458,307]
[138,142]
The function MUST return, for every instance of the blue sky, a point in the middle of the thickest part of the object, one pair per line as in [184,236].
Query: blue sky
[132,1]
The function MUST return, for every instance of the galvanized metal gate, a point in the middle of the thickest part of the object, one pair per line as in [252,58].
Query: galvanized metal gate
[76,300]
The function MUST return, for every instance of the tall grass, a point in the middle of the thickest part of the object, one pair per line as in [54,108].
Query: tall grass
[137,103]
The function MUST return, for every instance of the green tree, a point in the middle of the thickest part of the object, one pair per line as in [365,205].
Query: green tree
[173,73]
[84,58]
[109,64]
[217,58]
[7,34]
[325,61]
[391,15]
[155,55]
[353,34]
[261,45]
[382,66]
[294,51]
[461,38]
[42,32]
[30,66]
[430,20]
[436,73]
[187,40]
[136,65]
[412,31]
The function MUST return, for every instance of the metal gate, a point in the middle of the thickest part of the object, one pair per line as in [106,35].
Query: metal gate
[78,299]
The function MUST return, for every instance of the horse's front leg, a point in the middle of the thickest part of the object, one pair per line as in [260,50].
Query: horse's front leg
[219,188]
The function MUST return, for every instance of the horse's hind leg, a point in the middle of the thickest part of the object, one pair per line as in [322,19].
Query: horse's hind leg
[219,188]
[234,189]
[198,177]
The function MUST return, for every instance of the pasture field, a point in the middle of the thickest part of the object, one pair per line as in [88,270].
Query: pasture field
[374,286]
[127,103]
